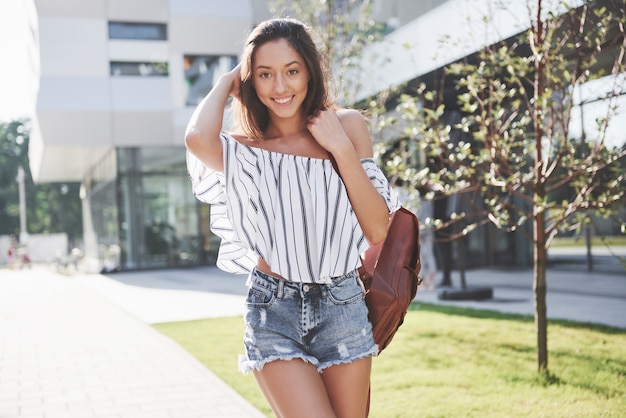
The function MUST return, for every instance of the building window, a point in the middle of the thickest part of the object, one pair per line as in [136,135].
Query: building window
[203,71]
[142,31]
[142,69]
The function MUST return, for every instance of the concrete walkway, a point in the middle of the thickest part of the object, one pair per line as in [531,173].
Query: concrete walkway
[67,350]
[574,292]
[81,345]
[579,296]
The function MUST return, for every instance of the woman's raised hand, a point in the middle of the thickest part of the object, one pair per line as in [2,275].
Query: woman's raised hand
[235,76]
[327,130]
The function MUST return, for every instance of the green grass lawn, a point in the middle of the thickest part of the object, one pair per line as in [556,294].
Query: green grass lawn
[458,362]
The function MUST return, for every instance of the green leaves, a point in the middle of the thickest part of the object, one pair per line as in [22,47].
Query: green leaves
[51,207]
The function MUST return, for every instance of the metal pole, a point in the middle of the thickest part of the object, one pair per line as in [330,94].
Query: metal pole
[22,201]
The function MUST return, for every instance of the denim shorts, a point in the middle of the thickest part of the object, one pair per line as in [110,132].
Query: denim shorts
[322,324]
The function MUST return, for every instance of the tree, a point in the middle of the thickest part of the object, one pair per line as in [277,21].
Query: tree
[510,149]
[13,154]
[51,207]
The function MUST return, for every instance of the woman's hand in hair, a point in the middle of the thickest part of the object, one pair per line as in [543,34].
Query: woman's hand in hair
[202,136]
[235,76]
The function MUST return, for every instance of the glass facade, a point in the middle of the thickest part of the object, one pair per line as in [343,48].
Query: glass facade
[144,215]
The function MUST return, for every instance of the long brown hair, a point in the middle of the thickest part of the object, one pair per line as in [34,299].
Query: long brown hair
[250,112]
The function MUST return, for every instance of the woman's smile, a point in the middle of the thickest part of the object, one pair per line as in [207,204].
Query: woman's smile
[284,100]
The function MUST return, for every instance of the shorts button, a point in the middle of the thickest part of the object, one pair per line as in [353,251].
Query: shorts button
[305,288]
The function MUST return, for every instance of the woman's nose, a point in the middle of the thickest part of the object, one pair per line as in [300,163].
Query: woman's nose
[280,84]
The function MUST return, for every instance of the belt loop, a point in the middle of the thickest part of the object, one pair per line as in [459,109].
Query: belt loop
[280,292]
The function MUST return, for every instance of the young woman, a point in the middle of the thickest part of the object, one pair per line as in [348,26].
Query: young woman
[289,219]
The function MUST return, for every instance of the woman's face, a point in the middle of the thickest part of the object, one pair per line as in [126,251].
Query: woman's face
[280,78]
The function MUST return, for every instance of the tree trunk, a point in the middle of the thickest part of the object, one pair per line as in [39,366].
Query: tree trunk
[539,230]
[539,289]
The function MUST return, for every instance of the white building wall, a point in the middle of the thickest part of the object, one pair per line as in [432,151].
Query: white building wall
[73,46]
[71,8]
[138,10]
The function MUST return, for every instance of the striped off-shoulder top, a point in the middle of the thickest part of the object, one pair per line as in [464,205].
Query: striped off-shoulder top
[290,210]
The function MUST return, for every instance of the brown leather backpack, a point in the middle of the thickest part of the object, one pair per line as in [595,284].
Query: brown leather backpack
[390,273]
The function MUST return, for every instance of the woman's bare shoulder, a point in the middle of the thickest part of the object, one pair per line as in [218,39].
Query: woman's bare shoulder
[348,115]
[355,125]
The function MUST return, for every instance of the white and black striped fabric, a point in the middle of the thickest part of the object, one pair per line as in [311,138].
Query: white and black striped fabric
[290,210]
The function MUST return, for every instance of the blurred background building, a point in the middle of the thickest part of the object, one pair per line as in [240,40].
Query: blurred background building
[119,80]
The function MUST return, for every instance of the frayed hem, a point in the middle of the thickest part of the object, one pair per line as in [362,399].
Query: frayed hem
[371,353]
[246,366]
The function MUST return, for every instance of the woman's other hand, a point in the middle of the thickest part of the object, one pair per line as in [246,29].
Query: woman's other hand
[328,131]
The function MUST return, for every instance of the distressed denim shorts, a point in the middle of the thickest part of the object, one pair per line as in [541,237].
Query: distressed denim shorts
[322,324]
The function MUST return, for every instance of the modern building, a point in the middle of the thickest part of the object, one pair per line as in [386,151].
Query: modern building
[119,81]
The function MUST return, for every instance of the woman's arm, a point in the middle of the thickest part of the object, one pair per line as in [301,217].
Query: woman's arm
[345,135]
[202,136]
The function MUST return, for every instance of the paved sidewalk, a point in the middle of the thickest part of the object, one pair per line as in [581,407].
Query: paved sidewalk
[580,296]
[573,292]
[66,351]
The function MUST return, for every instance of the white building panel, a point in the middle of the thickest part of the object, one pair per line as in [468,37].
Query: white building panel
[137,10]
[74,94]
[194,35]
[180,119]
[135,129]
[73,47]
[63,163]
[178,84]
[84,128]
[212,8]
[141,94]
[73,142]
[72,8]
[149,51]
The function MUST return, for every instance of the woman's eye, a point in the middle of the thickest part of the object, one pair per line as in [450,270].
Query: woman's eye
[292,72]
[264,75]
